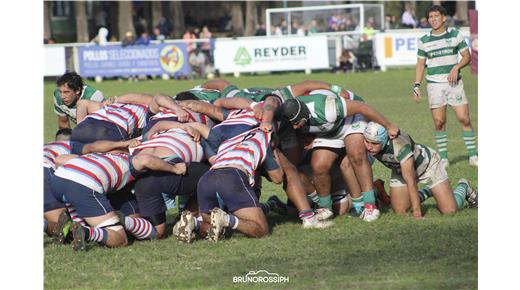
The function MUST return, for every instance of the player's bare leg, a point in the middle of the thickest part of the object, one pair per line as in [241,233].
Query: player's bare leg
[400,199]
[252,222]
[441,138]
[462,114]
[321,163]
[52,217]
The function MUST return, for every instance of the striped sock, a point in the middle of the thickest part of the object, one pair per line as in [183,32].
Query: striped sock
[424,194]
[74,215]
[460,193]
[232,221]
[140,228]
[369,196]
[96,234]
[313,197]
[469,141]
[306,214]
[441,138]
[325,201]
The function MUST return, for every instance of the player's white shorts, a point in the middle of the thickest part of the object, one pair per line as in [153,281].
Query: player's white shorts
[434,174]
[442,94]
[351,125]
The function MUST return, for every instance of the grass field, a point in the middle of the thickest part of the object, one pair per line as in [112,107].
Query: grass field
[394,252]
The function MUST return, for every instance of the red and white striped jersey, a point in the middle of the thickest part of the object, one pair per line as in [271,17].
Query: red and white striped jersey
[194,117]
[52,150]
[248,150]
[240,117]
[177,140]
[102,172]
[128,116]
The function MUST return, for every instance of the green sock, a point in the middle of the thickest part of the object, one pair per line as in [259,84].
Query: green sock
[469,141]
[460,193]
[358,203]
[424,194]
[369,196]
[326,201]
[441,138]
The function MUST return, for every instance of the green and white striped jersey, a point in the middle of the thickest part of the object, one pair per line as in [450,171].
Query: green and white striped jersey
[206,94]
[327,114]
[398,150]
[62,110]
[257,94]
[441,52]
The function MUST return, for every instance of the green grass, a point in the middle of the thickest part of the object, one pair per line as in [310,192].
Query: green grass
[394,252]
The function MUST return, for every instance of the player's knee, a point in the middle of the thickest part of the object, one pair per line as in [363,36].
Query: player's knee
[345,164]
[399,209]
[357,157]
[448,210]
[439,123]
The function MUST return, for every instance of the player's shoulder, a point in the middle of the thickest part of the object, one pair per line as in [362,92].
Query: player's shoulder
[89,92]
[453,31]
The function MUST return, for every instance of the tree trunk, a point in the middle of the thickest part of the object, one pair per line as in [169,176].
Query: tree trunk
[156,13]
[125,18]
[81,21]
[462,11]
[113,19]
[47,31]
[178,18]
[251,18]
[237,18]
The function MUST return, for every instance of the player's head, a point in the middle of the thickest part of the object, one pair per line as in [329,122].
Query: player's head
[183,96]
[70,85]
[375,137]
[296,112]
[436,16]
[63,134]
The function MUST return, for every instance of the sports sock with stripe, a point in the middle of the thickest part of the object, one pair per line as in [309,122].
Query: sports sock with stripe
[459,193]
[441,139]
[469,141]
[325,201]
[369,196]
[140,228]
[424,194]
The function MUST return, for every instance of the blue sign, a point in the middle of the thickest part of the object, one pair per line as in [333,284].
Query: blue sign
[115,60]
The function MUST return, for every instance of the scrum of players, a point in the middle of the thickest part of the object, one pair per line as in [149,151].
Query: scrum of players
[129,159]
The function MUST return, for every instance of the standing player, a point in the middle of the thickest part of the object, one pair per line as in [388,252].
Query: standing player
[441,47]
[413,163]
[70,89]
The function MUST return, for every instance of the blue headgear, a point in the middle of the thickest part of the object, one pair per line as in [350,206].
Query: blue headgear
[376,133]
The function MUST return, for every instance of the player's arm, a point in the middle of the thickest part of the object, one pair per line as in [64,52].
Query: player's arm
[63,122]
[419,72]
[160,101]
[210,110]
[271,104]
[102,146]
[86,107]
[134,98]
[218,85]
[64,158]
[453,77]
[408,172]
[309,85]
[202,129]
[235,103]
[143,162]
[167,125]
[356,107]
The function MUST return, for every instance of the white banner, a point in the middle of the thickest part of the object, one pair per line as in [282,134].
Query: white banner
[400,48]
[271,54]
[54,61]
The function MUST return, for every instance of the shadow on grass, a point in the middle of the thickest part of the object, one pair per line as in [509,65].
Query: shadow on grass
[459,159]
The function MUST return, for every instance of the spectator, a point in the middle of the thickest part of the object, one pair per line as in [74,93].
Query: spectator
[424,23]
[346,61]
[297,29]
[129,39]
[144,39]
[313,27]
[388,22]
[350,24]
[283,27]
[197,61]
[369,30]
[408,17]
[165,26]
[157,35]
[260,30]
[206,45]
[189,38]
[101,37]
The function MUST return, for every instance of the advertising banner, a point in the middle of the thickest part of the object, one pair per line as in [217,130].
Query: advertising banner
[115,60]
[271,54]
[54,61]
[473,28]
[400,48]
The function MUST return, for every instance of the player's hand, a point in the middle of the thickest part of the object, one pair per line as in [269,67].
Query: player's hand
[259,110]
[417,92]
[194,133]
[417,215]
[393,131]
[453,77]
[133,143]
[179,168]
[266,126]
[109,101]
[182,115]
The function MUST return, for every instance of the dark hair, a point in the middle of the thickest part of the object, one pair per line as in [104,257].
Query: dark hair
[63,132]
[436,8]
[183,96]
[72,79]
